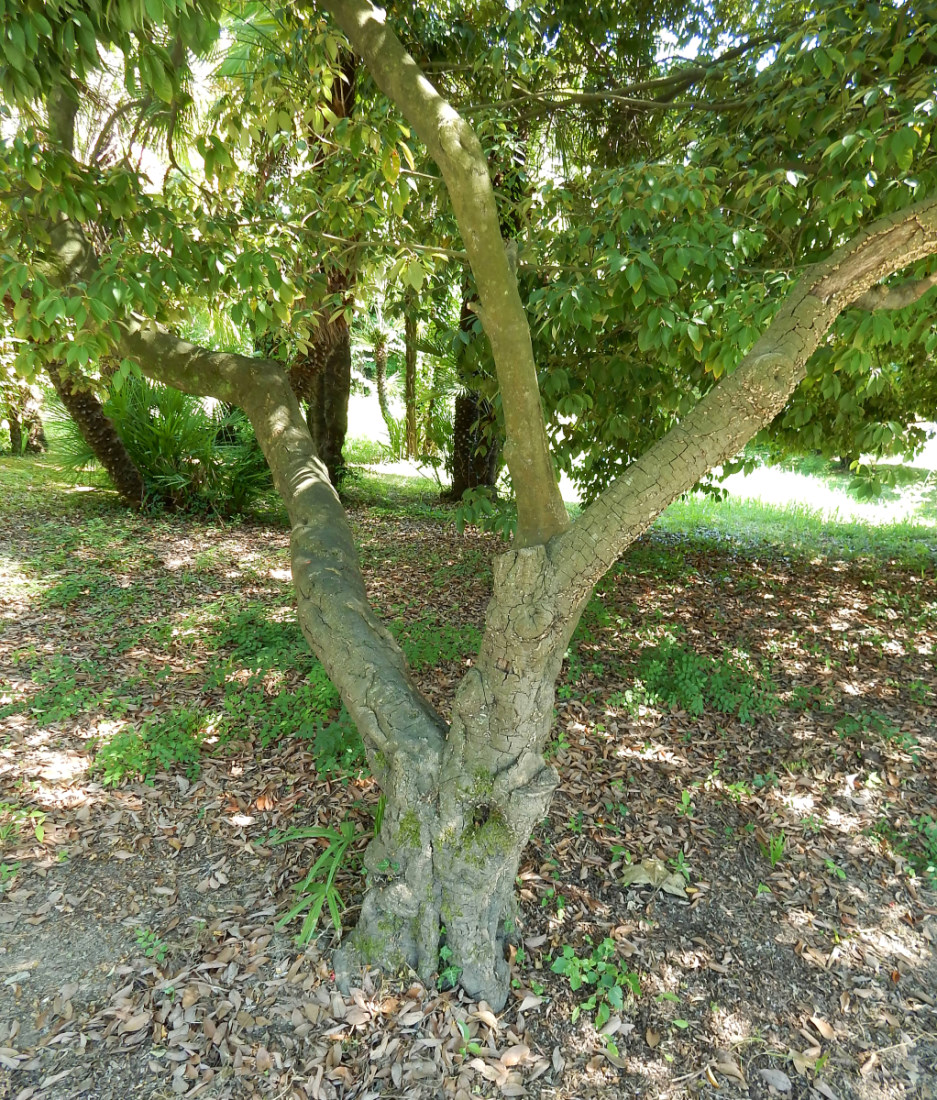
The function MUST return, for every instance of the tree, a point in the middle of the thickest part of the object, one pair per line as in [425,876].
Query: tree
[463,797]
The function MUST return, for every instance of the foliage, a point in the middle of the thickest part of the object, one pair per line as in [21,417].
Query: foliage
[159,743]
[317,890]
[191,457]
[599,969]
[483,509]
[151,945]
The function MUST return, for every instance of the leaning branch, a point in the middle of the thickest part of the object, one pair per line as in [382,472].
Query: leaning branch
[745,401]
[361,658]
[457,151]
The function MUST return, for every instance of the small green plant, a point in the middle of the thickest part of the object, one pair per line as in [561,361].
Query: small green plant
[680,865]
[762,889]
[317,890]
[672,675]
[151,945]
[601,971]
[773,848]
[923,855]
[17,820]
[470,1047]
[448,971]
[686,807]
[549,895]
[8,873]
[161,742]
[834,869]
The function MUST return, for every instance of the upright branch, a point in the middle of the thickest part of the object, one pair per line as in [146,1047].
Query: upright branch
[452,143]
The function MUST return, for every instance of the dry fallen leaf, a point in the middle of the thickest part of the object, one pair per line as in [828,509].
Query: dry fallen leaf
[776,1079]
[652,872]
[823,1027]
[652,1038]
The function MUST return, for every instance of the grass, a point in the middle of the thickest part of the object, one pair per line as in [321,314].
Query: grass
[798,531]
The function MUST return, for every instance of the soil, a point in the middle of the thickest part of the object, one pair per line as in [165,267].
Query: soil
[139,951]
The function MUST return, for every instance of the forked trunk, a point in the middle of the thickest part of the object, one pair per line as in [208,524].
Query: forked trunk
[445,863]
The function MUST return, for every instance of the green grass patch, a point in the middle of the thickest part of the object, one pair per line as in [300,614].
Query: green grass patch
[797,531]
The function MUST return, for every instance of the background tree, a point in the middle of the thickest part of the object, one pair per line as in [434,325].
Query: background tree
[463,795]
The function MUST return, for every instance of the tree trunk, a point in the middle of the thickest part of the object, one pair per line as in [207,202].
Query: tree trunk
[380,374]
[462,800]
[101,436]
[412,432]
[475,445]
[448,853]
[36,441]
[16,430]
[23,414]
[429,442]
[321,378]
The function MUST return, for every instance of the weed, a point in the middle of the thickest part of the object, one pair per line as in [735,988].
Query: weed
[680,865]
[448,971]
[600,970]
[686,808]
[469,1046]
[317,889]
[159,743]
[923,855]
[8,872]
[151,945]
[773,848]
[15,821]
[671,675]
[834,869]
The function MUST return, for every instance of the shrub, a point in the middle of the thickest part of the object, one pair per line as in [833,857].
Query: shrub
[193,455]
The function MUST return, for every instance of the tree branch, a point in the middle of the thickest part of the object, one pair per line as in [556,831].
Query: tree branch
[454,146]
[361,658]
[743,402]
[895,297]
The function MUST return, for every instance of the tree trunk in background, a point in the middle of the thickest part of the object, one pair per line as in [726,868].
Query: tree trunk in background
[16,430]
[409,396]
[380,374]
[429,443]
[321,380]
[476,438]
[101,436]
[476,446]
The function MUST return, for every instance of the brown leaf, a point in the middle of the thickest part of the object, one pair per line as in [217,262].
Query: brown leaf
[652,1038]
[823,1027]
[515,1054]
